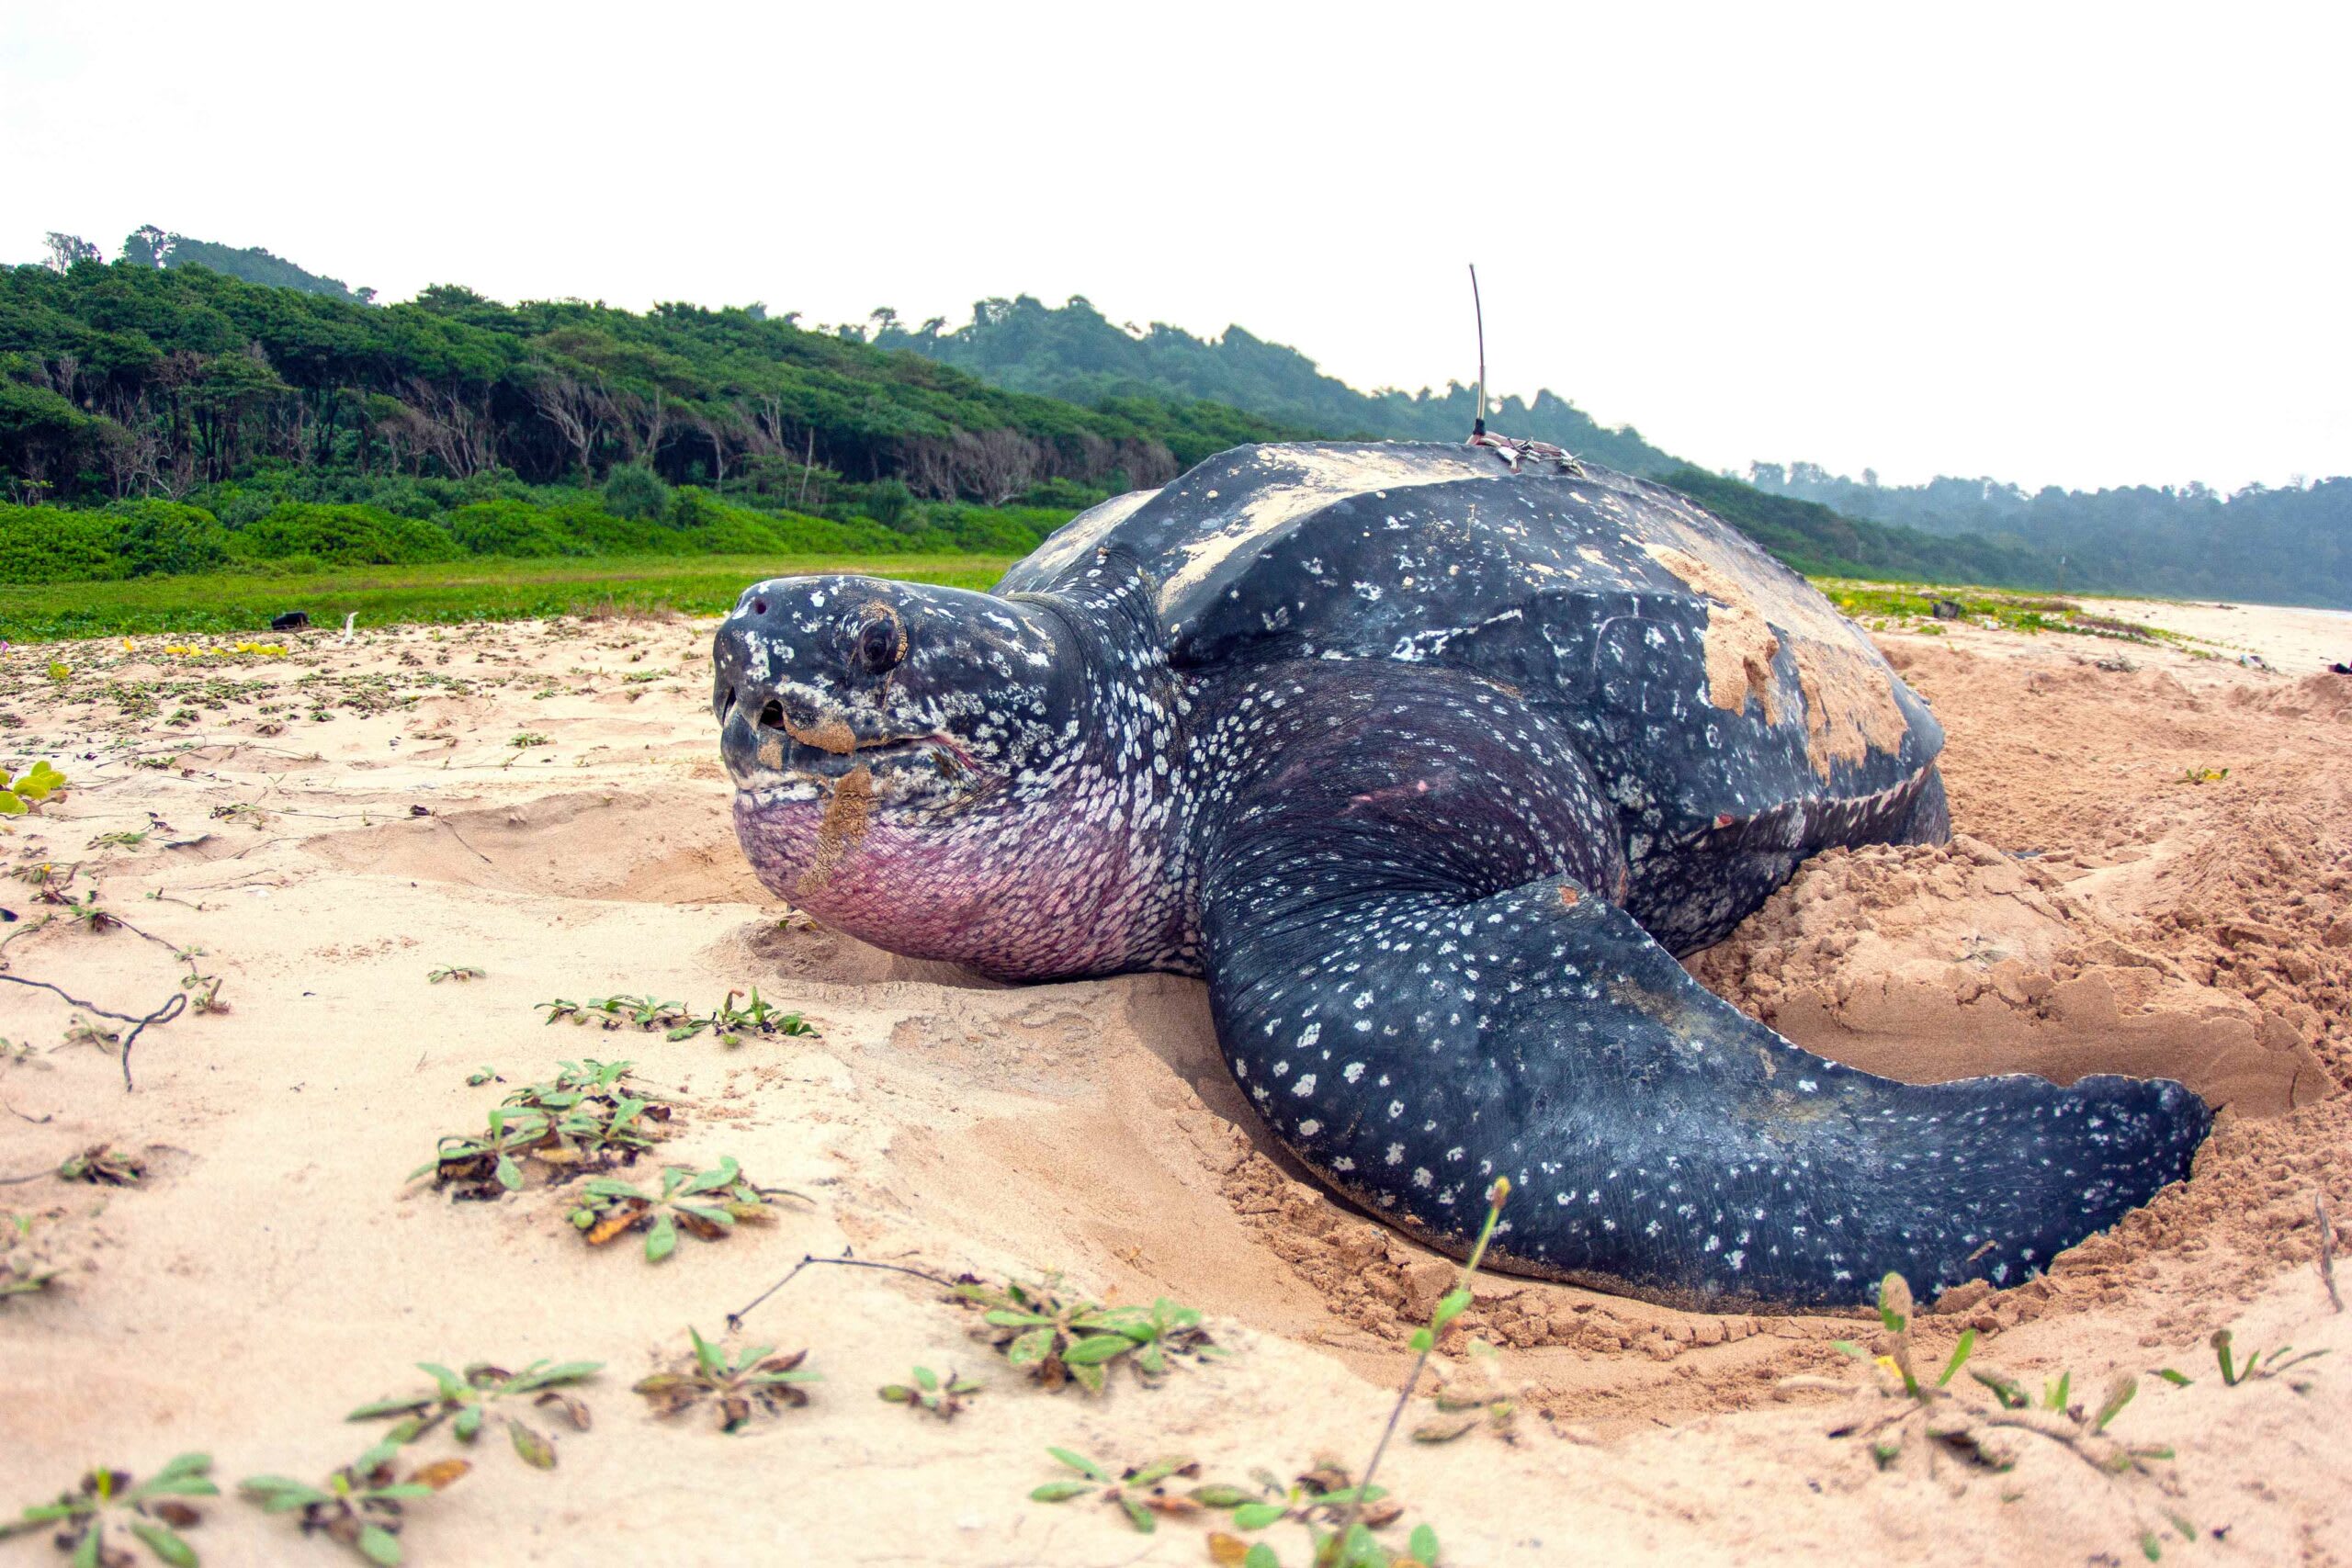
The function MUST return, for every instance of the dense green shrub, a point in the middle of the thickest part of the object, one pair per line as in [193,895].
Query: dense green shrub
[51,544]
[345,535]
[636,492]
[165,538]
[512,528]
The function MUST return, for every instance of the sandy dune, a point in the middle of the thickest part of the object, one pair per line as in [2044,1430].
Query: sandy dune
[332,824]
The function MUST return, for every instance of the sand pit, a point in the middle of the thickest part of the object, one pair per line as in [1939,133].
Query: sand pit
[542,801]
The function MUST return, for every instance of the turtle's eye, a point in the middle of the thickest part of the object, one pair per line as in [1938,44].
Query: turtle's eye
[879,641]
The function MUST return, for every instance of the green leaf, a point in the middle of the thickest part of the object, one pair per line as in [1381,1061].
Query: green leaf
[12,807]
[1453,1303]
[1090,1377]
[2054,1395]
[531,1444]
[662,1240]
[1257,1516]
[566,1372]
[1262,1556]
[925,1376]
[1081,1463]
[1958,1357]
[1097,1349]
[278,1494]
[379,1545]
[1158,1471]
[1423,1546]
[509,1174]
[2178,1379]
[2150,1547]
[2116,1398]
[1218,1495]
[1850,1349]
[165,1543]
[728,1173]
[384,1407]
[1060,1490]
[1003,1319]
[1422,1339]
[86,1550]
[1031,1347]
[1139,1515]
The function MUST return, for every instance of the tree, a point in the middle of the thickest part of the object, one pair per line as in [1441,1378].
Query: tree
[64,249]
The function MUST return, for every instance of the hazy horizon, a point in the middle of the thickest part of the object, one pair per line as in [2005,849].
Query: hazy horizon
[2092,251]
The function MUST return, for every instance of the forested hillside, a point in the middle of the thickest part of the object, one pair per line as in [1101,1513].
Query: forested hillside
[1074,353]
[2290,546]
[150,246]
[127,380]
[166,417]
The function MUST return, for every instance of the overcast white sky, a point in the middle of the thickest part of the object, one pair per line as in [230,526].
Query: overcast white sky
[2082,244]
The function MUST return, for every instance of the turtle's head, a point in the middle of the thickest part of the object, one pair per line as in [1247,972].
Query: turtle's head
[921,765]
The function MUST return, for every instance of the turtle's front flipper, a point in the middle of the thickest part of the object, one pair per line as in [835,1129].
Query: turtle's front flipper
[1413,1035]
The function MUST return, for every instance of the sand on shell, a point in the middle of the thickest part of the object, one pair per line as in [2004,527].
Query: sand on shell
[2099,911]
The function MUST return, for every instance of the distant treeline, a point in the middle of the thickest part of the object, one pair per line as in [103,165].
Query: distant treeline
[2292,545]
[128,380]
[1074,353]
[189,418]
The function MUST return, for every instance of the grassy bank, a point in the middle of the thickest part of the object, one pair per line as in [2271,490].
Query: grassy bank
[454,591]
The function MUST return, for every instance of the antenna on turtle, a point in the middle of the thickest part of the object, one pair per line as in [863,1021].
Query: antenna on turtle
[1478,425]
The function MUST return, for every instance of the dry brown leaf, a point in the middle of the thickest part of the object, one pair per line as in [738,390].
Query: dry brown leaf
[441,1474]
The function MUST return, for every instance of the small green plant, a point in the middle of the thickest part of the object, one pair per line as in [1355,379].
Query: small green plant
[704,1203]
[1899,1401]
[100,1166]
[28,789]
[467,1401]
[362,1505]
[728,1022]
[1351,1542]
[586,1118]
[24,1266]
[1323,1500]
[943,1398]
[2203,775]
[529,739]
[118,841]
[755,1381]
[1141,1492]
[1059,1340]
[483,1075]
[455,972]
[1472,1398]
[2260,1364]
[151,1511]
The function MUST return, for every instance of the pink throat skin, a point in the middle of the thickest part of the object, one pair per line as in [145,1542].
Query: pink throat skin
[1034,894]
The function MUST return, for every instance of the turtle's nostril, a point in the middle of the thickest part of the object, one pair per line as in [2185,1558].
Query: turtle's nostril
[771,716]
[759,606]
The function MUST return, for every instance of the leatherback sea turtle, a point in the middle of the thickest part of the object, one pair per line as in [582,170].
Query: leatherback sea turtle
[1428,759]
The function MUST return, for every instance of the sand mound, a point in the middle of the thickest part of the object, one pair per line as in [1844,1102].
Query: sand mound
[1927,965]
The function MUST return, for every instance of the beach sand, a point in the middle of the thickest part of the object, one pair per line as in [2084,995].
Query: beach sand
[332,824]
